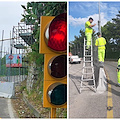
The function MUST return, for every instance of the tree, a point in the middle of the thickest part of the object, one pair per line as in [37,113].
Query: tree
[33,12]
[111,32]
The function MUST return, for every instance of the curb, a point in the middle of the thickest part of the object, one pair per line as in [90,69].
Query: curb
[31,107]
[11,110]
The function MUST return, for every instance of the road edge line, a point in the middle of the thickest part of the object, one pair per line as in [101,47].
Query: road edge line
[10,109]
[109,98]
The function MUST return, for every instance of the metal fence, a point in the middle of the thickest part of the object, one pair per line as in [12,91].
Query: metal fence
[77,49]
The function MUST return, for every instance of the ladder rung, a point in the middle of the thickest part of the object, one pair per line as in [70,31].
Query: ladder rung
[88,67]
[88,61]
[87,79]
[86,50]
[88,86]
[87,45]
[88,55]
[87,73]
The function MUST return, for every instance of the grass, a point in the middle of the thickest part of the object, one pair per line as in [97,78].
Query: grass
[35,97]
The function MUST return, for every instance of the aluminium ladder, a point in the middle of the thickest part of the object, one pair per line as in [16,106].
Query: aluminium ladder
[88,77]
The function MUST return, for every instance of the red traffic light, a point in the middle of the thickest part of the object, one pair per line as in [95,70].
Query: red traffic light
[57,66]
[56,33]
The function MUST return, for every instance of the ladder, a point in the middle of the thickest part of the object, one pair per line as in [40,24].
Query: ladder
[88,77]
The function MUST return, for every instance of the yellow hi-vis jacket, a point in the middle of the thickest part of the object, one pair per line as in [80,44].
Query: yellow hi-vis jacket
[100,42]
[118,67]
[88,29]
[119,61]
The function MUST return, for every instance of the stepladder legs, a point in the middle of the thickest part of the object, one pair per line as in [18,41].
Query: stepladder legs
[88,69]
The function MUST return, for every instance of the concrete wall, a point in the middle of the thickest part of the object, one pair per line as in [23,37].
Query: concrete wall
[7,89]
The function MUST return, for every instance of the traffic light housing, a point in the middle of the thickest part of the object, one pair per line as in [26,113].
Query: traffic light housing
[53,44]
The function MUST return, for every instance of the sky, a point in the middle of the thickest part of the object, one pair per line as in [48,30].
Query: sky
[10,15]
[79,13]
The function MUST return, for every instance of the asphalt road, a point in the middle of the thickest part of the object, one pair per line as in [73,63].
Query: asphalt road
[111,69]
[6,110]
[89,104]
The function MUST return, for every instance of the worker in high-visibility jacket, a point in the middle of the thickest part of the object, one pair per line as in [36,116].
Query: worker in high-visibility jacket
[89,31]
[118,71]
[100,43]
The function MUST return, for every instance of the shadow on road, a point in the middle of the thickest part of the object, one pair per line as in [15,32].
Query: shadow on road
[74,78]
[113,90]
[112,83]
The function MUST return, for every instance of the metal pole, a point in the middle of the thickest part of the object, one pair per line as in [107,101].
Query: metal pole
[1,51]
[53,112]
[10,59]
[2,42]
[99,21]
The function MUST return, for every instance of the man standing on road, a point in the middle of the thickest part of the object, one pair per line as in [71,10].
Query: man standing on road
[118,71]
[89,31]
[100,43]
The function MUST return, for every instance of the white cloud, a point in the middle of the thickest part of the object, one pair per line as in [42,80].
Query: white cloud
[76,21]
[108,10]
[81,21]
[10,12]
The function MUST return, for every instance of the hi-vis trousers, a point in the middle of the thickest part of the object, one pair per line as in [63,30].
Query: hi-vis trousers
[101,55]
[118,76]
[89,37]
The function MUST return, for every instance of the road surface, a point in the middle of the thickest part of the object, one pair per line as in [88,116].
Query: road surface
[89,104]
[6,110]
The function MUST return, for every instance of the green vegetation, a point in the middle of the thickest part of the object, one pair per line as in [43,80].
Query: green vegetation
[33,12]
[111,32]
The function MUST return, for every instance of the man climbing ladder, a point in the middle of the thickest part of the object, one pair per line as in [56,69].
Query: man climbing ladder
[89,31]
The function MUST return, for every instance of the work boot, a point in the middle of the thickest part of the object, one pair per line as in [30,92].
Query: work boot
[101,64]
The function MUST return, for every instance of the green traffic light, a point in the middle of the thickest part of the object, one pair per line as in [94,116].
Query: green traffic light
[58,95]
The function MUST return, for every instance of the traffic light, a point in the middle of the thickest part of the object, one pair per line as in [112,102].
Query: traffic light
[53,44]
